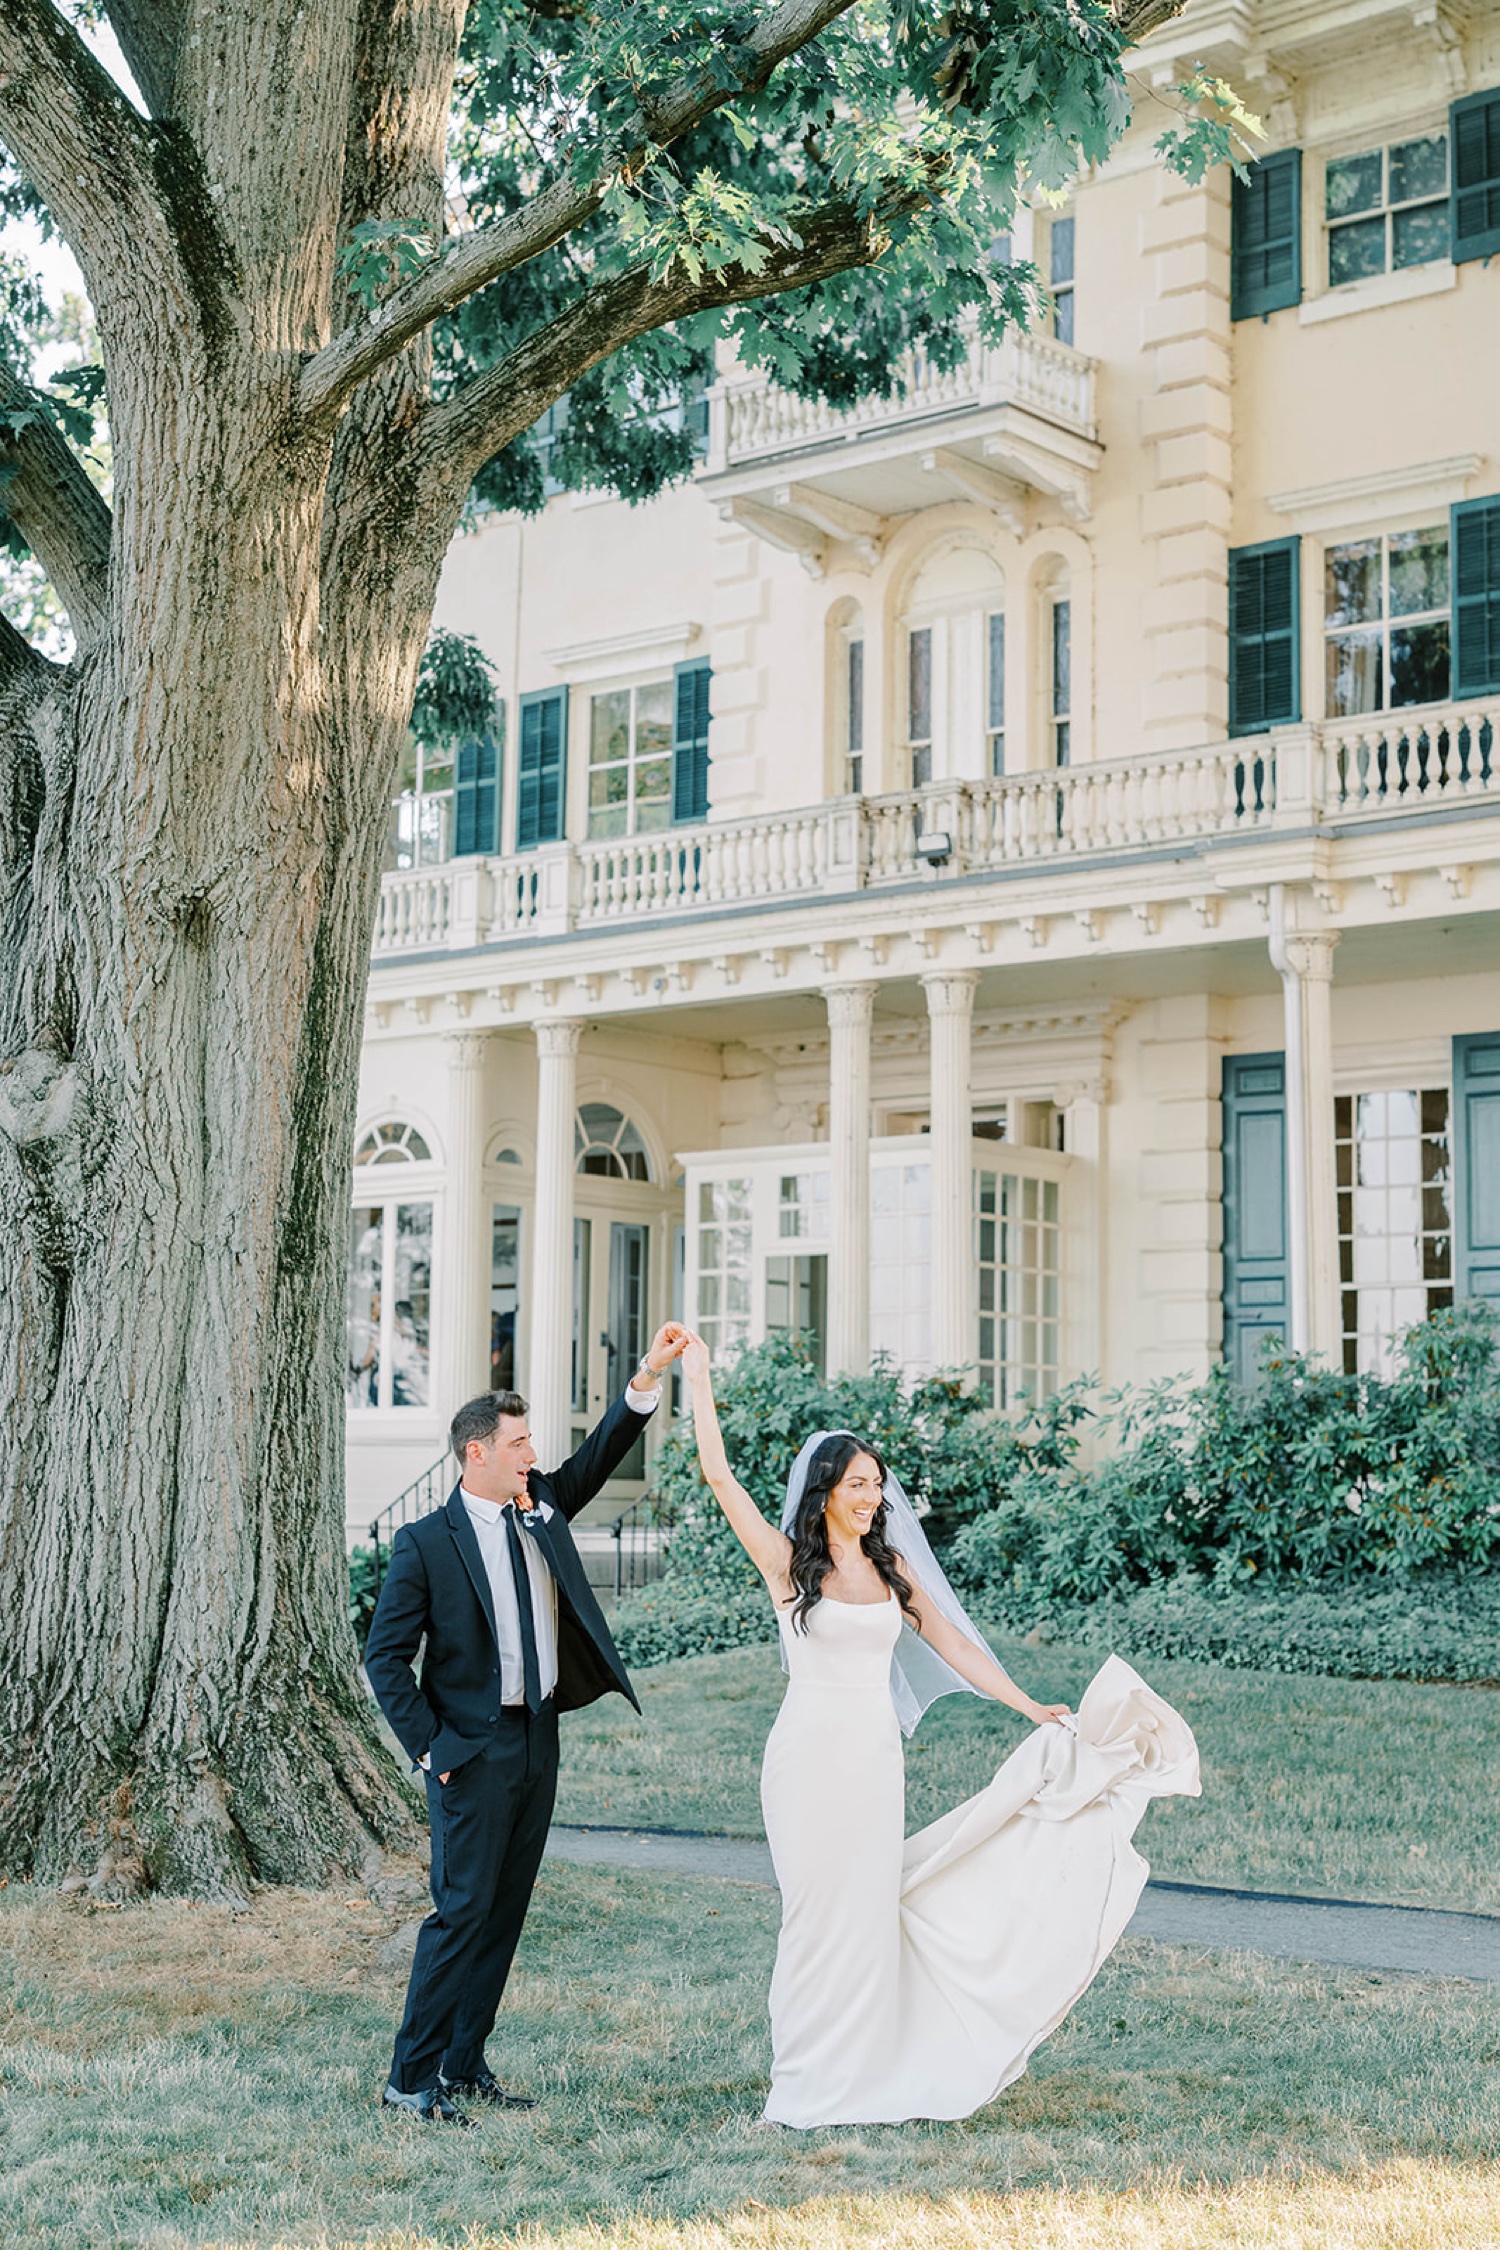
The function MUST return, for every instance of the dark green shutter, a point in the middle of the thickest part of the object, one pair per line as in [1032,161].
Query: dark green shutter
[1265,270]
[1476,1167]
[1265,687]
[690,743]
[541,769]
[476,797]
[1476,597]
[1257,1277]
[1475,131]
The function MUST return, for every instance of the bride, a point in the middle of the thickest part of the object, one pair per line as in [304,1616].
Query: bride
[914,1975]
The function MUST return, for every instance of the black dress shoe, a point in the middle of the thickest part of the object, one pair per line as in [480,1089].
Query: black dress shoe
[485,2087]
[431,2105]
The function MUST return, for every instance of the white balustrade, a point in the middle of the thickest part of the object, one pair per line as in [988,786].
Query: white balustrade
[1337,770]
[1052,379]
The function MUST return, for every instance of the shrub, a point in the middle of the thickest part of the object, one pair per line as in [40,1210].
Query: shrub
[673,1618]
[952,1453]
[1444,1629]
[364,1591]
[1308,1477]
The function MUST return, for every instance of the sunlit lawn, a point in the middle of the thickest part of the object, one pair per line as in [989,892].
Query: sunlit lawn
[1346,1788]
[172,2075]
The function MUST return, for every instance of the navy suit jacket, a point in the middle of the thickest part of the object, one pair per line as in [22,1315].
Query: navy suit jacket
[437,1588]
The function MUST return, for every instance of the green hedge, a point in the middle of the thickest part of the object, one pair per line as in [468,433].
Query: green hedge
[671,1618]
[1447,1631]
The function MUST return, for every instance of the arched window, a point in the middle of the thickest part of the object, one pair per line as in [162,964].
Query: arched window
[396,1143]
[1057,662]
[507,1156]
[951,682]
[846,655]
[607,1145]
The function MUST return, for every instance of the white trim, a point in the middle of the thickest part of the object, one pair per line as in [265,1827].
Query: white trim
[1393,1066]
[624,656]
[1379,289]
[1353,502]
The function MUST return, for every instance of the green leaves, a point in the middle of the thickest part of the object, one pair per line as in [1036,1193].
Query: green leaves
[455,690]
[1217,129]
[379,254]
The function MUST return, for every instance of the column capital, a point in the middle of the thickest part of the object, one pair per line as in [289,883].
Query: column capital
[558,1036]
[465,1049]
[850,1005]
[950,992]
[1305,954]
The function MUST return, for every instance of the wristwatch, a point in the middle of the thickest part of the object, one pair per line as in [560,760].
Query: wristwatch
[645,1376]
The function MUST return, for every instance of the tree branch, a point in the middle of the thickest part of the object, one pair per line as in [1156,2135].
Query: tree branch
[61,515]
[1137,19]
[459,435]
[150,35]
[123,191]
[472,261]
[24,672]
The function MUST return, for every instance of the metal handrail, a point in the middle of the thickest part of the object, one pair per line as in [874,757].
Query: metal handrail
[422,1495]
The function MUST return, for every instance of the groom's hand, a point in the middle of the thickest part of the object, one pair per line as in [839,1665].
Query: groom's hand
[669,1342]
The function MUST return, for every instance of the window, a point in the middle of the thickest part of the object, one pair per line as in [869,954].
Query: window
[393,1144]
[1018,1250]
[421,830]
[1060,669]
[390,1305]
[1395,1219]
[1266,236]
[724,1263]
[1385,622]
[542,769]
[797,1302]
[854,716]
[630,760]
[505,1294]
[476,797]
[901,1262]
[994,692]
[1387,208]
[803,1206]
[919,704]
[1060,277]
[607,1146]
[1264,681]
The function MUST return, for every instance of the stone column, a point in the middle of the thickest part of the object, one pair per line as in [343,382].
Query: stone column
[466,1359]
[1085,1248]
[950,1010]
[850,1007]
[1304,961]
[549,1326]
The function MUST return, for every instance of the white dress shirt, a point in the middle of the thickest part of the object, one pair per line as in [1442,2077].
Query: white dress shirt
[488,1519]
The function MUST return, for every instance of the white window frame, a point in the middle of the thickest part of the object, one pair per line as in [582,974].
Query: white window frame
[631,763]
[1385,209]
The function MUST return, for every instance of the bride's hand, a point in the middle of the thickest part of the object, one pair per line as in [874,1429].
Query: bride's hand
[695,1359]
[1042,1713]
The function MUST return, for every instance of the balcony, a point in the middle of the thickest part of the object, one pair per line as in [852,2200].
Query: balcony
[1012,424]
[1339,777]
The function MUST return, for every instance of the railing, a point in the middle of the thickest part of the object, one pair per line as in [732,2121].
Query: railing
[422,1495]
[751,418]
[618,1556]
[1335,772]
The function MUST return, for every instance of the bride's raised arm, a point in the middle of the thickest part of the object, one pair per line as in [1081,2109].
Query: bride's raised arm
[769,1549]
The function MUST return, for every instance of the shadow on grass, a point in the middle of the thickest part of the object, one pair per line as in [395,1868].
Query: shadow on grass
[174,2075]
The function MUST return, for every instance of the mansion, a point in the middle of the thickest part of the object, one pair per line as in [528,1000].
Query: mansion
[1005,876]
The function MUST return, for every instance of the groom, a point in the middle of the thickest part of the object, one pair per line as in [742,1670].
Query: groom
[513,1635]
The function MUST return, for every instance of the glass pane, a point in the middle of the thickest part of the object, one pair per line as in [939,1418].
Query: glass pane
[996,700]
[919,686]
[1351,583]
[1419,235]
[1353,674]
[653,778]
[366,1241]
[609,727]
[1062,659]
[609,785]
[653,713]
[655,813]
[1355,251]
[1352,183]
[1061,268]
[607,820]
[406,771]
[1062,316]
[411,1326]
[854,707]
[1419,168]
[1419,663]
[437,770]
[1419,570]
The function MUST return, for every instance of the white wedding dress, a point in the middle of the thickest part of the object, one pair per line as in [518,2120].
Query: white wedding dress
[915,1975]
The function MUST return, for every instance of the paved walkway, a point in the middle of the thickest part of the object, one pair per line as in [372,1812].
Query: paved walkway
[1344,1932]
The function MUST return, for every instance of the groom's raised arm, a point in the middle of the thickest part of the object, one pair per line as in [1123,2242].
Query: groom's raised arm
[395,1635]
[589,1470]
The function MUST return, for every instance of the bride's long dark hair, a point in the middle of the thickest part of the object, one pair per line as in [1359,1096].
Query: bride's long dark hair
[812,1558]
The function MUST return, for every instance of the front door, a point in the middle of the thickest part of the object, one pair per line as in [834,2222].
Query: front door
[625,1335]
[610,1322]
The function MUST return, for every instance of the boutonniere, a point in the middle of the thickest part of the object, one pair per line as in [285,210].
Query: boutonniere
[531,1517]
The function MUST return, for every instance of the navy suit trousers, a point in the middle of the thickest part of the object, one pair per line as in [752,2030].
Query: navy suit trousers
[489,1829]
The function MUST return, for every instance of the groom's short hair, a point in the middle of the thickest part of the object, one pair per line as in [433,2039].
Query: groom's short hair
[480,1419]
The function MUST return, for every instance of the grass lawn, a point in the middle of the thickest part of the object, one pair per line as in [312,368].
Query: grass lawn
[175,2075]
[1345,1788]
